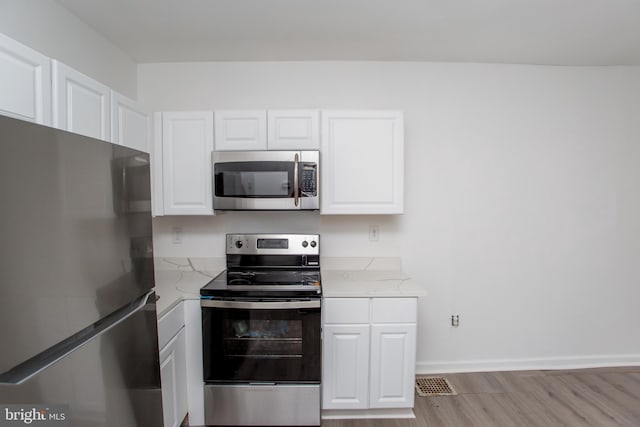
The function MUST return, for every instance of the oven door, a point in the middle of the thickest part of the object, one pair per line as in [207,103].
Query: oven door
[265,180]
[261,341]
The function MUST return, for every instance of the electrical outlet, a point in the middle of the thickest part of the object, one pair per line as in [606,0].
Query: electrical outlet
[455,320]
[374,233]
[176,235]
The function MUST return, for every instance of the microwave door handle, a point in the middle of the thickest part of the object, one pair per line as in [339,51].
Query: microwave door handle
[296,184]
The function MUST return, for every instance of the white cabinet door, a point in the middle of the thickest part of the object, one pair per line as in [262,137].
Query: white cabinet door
[173,374]
[393,354]
[25,82]
[130,126]
[293,129]
[195,391]
[241,130]
[345,373]
[362,160]
[187,143]
[80,104]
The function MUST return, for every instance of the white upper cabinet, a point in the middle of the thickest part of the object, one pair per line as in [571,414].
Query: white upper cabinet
[156,158]
[362,161]
[130,126]
[25,82]
[80,104]
[293,129]
[240,130]
[187,143]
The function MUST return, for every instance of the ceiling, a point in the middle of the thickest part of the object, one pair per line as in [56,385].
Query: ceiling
[552,32]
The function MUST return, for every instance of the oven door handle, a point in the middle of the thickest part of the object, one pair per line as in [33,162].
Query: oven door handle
[260,305]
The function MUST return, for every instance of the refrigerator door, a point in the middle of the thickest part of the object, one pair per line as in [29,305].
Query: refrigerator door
[71,254]
[110,377]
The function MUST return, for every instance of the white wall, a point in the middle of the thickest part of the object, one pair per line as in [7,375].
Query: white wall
[47,27]
[522,201]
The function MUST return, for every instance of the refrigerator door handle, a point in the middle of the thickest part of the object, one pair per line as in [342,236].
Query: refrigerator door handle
[41,361]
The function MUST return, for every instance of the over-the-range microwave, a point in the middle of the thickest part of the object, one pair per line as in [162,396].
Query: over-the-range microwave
[266,180]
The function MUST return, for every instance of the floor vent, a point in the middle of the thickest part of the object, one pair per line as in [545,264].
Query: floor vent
[434,386]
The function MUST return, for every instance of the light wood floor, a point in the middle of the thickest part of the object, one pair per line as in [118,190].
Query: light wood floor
[589,397]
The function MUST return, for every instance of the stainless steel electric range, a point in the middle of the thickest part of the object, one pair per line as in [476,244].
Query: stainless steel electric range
[261,332]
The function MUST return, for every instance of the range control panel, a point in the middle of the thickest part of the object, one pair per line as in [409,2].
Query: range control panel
[273,244]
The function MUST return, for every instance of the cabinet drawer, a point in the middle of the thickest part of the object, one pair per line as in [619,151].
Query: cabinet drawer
[346,310]
[170,324]
[394,310]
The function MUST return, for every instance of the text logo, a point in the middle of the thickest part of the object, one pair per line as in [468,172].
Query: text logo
[30,414]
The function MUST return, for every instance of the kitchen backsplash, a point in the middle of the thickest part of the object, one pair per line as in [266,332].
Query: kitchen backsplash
[217,264]
[213,264]
[361,263]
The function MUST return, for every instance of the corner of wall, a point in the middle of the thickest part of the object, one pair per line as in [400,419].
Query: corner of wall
[49,28]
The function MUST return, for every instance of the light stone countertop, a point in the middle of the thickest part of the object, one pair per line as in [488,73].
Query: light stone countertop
[369,283]
[179,279]
[367,277]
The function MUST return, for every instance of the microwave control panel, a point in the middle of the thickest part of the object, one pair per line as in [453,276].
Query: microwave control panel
[309,178]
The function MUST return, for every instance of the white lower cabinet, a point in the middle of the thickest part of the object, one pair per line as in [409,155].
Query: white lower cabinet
[393,359]
[180,341]
[173,366]
[345,383]
[369,352]
[173,373]
[195,389]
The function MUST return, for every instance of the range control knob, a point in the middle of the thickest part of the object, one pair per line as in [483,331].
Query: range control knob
[313,244]
[238,244]
[305,244]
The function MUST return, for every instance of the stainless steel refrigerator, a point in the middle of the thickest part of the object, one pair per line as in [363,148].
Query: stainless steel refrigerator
[77,308]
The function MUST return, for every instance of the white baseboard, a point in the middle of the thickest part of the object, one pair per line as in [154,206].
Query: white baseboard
[337,414]
[547,363]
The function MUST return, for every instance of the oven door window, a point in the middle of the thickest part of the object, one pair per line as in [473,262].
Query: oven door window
[254,179]
[242,345]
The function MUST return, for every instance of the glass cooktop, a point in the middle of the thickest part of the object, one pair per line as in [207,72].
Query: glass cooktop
[276,283]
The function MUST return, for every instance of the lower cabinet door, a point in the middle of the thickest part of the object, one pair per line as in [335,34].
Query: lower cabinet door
[173,374]
[345,381]
[393,352]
